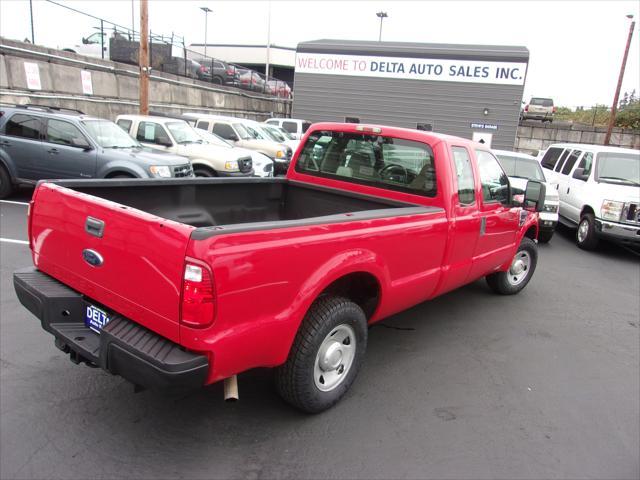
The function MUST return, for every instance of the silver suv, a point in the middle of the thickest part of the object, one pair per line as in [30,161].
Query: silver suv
[539,109]
[50,143]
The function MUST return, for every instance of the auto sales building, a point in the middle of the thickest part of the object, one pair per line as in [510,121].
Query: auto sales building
[471,91]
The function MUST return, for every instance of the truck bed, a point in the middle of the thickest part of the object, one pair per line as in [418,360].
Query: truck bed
[235,202]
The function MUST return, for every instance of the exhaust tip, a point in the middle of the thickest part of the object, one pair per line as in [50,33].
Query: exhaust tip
[231,389]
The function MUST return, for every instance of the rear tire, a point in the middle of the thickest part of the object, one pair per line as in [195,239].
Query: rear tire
[545,235]
[586,235]
[325,356]
[6,186]
[519,273]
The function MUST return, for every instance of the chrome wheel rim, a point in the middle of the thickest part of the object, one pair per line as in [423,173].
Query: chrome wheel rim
[334,358]
[583,230]
[519,268]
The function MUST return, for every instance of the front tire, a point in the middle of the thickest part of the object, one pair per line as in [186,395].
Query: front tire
[204,172]
[544,236]
[325,356]
[519,273]
[586,235]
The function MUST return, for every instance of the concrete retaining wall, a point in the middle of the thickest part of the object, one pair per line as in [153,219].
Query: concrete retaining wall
[115,87]
[535,136]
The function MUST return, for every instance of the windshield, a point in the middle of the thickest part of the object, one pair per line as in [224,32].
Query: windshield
[109,135]
[242,132]
[283,132]
[621,168]
[184,133]
[275,135]
[213,139]
[521,168]
[255,132]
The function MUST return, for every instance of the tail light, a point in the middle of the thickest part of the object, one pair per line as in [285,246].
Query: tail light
[555,109]
[526,108]
[230,71]
[29,212]
[198,308]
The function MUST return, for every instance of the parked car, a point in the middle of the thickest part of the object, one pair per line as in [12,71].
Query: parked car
[45,142]
[521,168]
[286,273]
[177,136]
[251,80]
[599,189]
[279,88]
[262,165]
[294,126]
[277,134]
[219,72]
[234,130]
[188,68]
[93,45]
[539,109]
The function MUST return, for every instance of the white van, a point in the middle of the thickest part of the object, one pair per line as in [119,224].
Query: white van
[599,191]
[295,126]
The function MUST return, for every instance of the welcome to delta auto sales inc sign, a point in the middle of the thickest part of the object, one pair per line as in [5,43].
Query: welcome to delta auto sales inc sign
[468,71]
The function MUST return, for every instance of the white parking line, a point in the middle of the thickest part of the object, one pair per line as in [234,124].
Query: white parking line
[15,203]
[11,240]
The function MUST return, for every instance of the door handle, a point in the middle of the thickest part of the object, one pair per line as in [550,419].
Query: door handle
[5,144]
[53,151]
[568,188]
[483,225]
[94,226]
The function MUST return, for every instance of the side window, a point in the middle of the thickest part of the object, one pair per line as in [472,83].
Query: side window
[495,184]
[571,161]
[203,124]
[272,122]
[551,157]
[124,124]
[563,157]
[64,133]
[586,163]
[24,126]
[305,126]
[150,132]
[291,127]
[223,130]
[464,174]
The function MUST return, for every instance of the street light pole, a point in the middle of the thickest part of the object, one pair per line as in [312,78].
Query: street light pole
[144,57]
[206,11]
[614,107]
[33,37]
[381,16]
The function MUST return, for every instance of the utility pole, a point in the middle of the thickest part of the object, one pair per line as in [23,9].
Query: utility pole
[206,11]
[381,16]
[144,57]
[33,37]
[133,23]
[266,70]
[614,107]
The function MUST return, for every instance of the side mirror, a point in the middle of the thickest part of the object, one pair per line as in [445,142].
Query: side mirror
[534,195]
[233,137]
[84,40]
[579,174]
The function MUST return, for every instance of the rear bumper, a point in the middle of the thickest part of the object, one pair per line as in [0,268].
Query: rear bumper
[618,232]
[123,348]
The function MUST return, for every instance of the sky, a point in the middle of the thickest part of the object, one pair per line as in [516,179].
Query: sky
[576,47]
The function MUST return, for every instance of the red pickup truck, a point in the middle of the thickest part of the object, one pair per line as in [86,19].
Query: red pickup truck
[182,283]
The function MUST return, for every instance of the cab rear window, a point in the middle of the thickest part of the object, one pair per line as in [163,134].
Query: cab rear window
[541,102]
[374,160]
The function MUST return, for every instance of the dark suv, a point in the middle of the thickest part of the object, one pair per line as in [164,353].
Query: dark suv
[49,143]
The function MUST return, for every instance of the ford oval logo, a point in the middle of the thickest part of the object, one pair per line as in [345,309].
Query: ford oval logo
[92,257]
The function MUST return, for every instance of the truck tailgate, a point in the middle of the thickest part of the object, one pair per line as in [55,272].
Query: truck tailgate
[142,255]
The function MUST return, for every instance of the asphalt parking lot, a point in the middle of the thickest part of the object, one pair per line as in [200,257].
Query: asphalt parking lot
[544,384]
